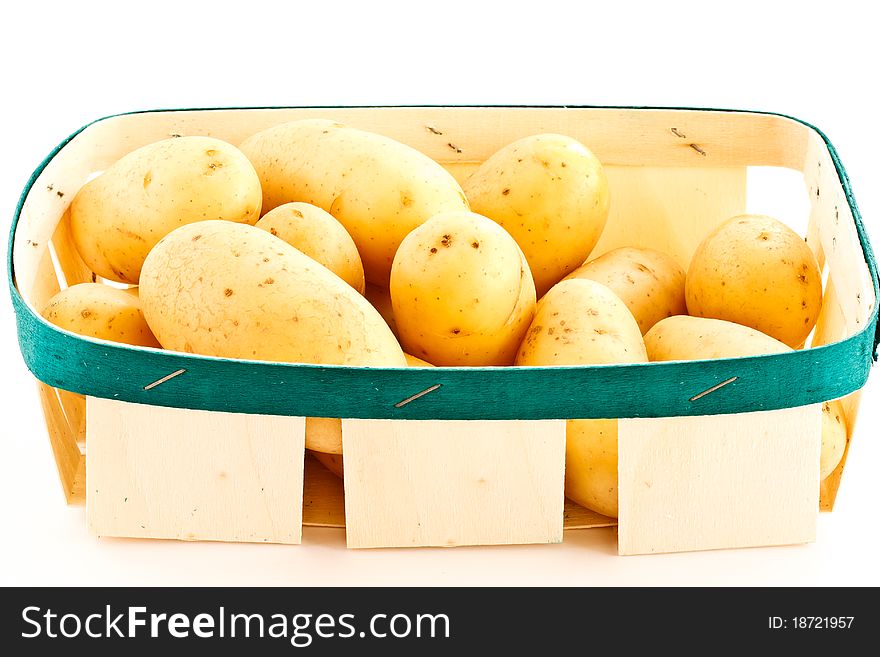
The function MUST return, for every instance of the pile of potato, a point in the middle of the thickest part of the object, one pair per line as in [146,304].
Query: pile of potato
[314,242]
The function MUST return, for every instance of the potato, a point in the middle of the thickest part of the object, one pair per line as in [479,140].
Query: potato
[756,271]
[694,338]
[591,464]
[833,438]
[100,311]
[461,291]
[549,192]
[324,434]
[649,282]
[317,234]
[378,188]
[224,289]
[581,322]
[119,216]
[380,297]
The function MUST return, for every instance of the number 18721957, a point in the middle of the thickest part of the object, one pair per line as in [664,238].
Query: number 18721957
[810,622]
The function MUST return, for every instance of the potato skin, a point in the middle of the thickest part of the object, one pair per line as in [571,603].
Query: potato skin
[833,437]
[591,464]
[694,338]
[378,188]
[581,322]
[119,216]
[100,311]
[461,291]
[224,289]
[649,282]
[324,434]
[316,233]
[756,271]
[550,192]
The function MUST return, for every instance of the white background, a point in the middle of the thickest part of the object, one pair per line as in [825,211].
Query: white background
[66,64]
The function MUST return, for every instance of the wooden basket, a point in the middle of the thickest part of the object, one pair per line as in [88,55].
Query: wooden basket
[167,445]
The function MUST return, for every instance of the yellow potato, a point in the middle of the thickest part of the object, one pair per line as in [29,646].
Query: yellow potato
[756,271]
[378,188]
[591,464]
[324,434]
[649,282]
[549,192]
[119,216]
[380,297]
[224,289]
[100,311]
[316,233]
[833,438]
[695,338]
[581,322]
[461,291]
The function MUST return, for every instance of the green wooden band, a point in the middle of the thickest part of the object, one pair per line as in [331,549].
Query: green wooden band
[115,371]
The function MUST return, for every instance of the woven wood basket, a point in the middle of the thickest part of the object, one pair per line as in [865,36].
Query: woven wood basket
[169,445]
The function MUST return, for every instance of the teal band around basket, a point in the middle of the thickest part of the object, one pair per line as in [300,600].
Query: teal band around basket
[102,369]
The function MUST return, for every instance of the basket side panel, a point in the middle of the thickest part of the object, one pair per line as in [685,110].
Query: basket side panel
[324,502]
[446,483]
[618,136]
[670,209]
[832,233]
[193,475]
[45,283]
[711,482]
[70,263]
[74,406]
[69,457]
[849,300]
[831,327]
